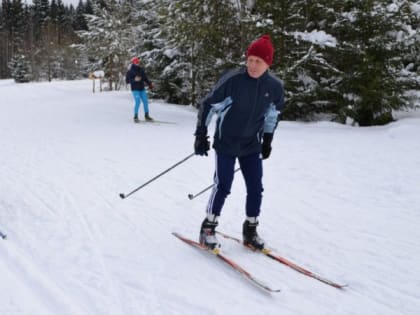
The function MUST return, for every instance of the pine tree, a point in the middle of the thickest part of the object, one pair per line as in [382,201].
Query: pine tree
[150,44]
[407,43]
[40,15]
[13,29]
[204,38]
[370,60]
[109,38]
[299,30]
[20,68]
[362,72]
[80,21]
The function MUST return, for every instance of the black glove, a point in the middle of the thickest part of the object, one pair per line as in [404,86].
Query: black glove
[201,145]
[266,145]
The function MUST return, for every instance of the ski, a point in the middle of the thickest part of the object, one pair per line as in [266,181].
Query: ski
[154,121]
[280,259]
[228,261]
[161,122]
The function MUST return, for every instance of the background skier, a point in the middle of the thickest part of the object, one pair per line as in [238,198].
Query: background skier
[137,78]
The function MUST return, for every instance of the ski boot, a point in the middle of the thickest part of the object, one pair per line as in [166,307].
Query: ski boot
[147,117]
[250,235]
[208,232]
[136,118]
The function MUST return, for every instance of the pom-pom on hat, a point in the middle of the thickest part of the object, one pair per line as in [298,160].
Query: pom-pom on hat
[135,60]
[263,48]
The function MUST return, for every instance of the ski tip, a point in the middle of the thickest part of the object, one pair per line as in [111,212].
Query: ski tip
[266,288]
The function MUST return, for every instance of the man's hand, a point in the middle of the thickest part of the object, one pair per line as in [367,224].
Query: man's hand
[201,145]
[266,145]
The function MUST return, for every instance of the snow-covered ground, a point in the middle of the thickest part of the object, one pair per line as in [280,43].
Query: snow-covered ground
[342,201]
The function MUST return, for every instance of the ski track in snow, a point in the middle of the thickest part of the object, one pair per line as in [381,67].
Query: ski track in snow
[338,200]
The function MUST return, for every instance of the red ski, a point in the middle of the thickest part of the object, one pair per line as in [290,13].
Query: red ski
[228,261]
[286,262]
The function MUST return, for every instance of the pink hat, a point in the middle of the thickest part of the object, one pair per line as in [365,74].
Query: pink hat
[263,48]
[135,60]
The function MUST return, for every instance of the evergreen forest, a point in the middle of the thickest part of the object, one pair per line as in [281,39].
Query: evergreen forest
[351,61]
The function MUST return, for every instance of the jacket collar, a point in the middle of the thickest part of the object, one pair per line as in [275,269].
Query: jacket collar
[262,77]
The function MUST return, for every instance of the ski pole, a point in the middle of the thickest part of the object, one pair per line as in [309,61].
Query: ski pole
[157,176]
[191,196]
[2,235]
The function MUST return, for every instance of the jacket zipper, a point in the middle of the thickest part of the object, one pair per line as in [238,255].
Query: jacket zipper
[254,105]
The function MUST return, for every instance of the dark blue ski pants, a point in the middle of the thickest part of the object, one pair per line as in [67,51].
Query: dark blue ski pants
[251,168]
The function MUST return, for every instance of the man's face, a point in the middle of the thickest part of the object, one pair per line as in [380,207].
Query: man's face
[256,66]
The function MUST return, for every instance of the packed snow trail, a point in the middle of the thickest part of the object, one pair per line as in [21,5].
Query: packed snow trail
[339,200]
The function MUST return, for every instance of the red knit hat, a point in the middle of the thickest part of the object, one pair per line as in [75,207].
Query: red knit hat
[263,48]
[135,60]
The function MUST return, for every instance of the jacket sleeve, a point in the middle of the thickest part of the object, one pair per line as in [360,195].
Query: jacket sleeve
[214,102]
[144,76]
[217,101]
[129,77]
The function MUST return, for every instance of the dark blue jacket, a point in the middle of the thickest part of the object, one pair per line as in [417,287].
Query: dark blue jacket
[246,109]
[134,71]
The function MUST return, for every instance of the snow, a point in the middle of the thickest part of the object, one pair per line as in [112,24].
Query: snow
[317,37]
[99,74]
[342,201]
[393,8]
[415,7]
[65,2]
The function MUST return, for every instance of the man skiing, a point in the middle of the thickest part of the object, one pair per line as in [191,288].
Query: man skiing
[248,102]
